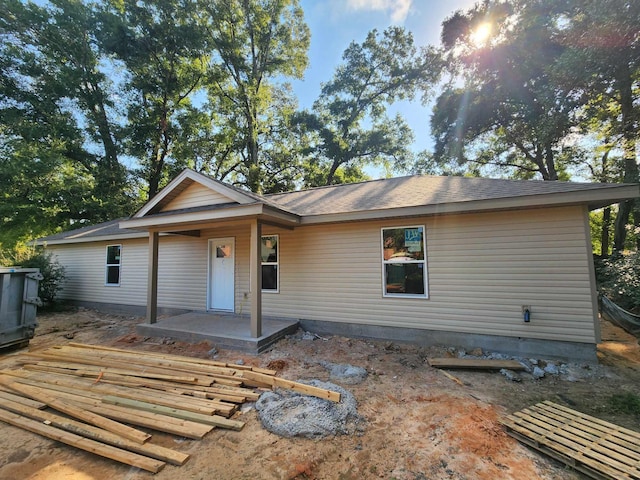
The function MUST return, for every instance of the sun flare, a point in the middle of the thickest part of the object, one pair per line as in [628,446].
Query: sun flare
[480,35]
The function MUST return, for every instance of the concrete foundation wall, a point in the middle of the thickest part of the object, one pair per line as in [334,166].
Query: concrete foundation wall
[519,347]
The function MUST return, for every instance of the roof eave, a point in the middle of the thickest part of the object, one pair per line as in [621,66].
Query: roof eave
[95,238]
[185,219]
[592,198]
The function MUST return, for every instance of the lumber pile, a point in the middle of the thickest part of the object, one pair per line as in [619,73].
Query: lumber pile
[110,397]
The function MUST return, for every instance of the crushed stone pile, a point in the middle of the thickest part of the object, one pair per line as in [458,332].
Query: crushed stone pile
[345,373]
[291,414]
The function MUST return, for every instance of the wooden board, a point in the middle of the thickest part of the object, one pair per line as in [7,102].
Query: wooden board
[154,451]
[599,449]
[82,443]
[475,364]
[270,381]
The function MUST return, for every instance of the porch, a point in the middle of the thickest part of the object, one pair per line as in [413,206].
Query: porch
[222,330]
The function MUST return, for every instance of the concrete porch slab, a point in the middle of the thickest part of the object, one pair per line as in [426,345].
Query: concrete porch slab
[222,330]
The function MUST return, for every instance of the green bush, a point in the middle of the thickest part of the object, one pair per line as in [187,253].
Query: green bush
[29,257]
[618,278]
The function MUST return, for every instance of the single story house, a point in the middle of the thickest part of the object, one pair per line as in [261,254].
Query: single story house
[472,262]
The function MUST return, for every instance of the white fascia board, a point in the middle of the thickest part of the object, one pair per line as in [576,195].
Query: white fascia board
[586,197]
[156,222]
[216,186]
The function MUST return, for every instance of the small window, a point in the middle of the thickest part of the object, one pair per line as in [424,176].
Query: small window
[270,257]
[404,262]
[113,265]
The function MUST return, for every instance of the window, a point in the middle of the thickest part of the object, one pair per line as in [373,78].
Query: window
[404,262]
[113,265]
[270,258]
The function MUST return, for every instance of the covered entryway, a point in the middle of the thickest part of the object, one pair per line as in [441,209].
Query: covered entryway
[221,289]
[193,203]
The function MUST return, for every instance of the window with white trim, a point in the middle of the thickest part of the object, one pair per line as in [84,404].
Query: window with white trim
[113,264]
[270,256]
[404,262]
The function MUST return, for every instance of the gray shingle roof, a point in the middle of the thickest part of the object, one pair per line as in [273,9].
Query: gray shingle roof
[417,190]
[385,194]
[112,227]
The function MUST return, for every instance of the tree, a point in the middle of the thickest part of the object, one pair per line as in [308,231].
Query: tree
[509,113]
[59,157]
[254,43]
[601,60]
[349,118]
[162,47]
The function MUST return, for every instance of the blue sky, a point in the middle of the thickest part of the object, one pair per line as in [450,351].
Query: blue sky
[335,24]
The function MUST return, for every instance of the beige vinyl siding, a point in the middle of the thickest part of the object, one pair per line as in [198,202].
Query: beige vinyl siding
[482,268]
[85,272]
[196,195]
[181,272]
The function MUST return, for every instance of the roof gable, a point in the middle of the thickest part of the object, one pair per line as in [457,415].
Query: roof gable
[192,189]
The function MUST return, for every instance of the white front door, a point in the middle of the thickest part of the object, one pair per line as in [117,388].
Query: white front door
[222,274]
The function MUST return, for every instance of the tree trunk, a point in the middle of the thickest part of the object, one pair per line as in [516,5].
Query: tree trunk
[604,234]
[254,180]
[629,151]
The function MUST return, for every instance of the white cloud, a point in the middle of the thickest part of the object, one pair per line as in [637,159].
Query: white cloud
[399,9]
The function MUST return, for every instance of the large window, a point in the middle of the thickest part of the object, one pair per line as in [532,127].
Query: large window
[270,258]
[404,262]
[112,275]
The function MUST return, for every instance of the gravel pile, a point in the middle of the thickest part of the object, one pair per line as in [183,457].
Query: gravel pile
[291,414]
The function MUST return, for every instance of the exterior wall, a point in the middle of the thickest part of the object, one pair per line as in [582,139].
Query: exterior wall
[182,270]
[196,195]
[482,268]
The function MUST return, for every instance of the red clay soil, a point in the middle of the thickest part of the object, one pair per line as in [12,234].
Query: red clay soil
[419,423]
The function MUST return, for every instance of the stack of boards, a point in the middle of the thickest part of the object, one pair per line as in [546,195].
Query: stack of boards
[105,395]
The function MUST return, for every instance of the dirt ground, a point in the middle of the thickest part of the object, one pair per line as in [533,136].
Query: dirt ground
[419,424]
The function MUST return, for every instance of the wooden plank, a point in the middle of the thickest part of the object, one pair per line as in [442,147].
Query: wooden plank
[154,451]
[41,395]
[235,396]
[108,451]
[23,400]
[93,402]
[202,361]
[207,407]
[94,370]
[597,448]
[154,421]
[291,385]
[215,420]
[475,364]
[101,361]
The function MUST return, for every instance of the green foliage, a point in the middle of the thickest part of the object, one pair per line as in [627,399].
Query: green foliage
[618,278]
[253,44]
[509,113]
[628,403]
[348,127]
[52,271]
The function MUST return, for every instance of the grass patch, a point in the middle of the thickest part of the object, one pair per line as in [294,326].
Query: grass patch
[628,403]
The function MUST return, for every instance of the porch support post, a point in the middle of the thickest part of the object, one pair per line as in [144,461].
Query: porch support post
[152,281]
[256,280]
